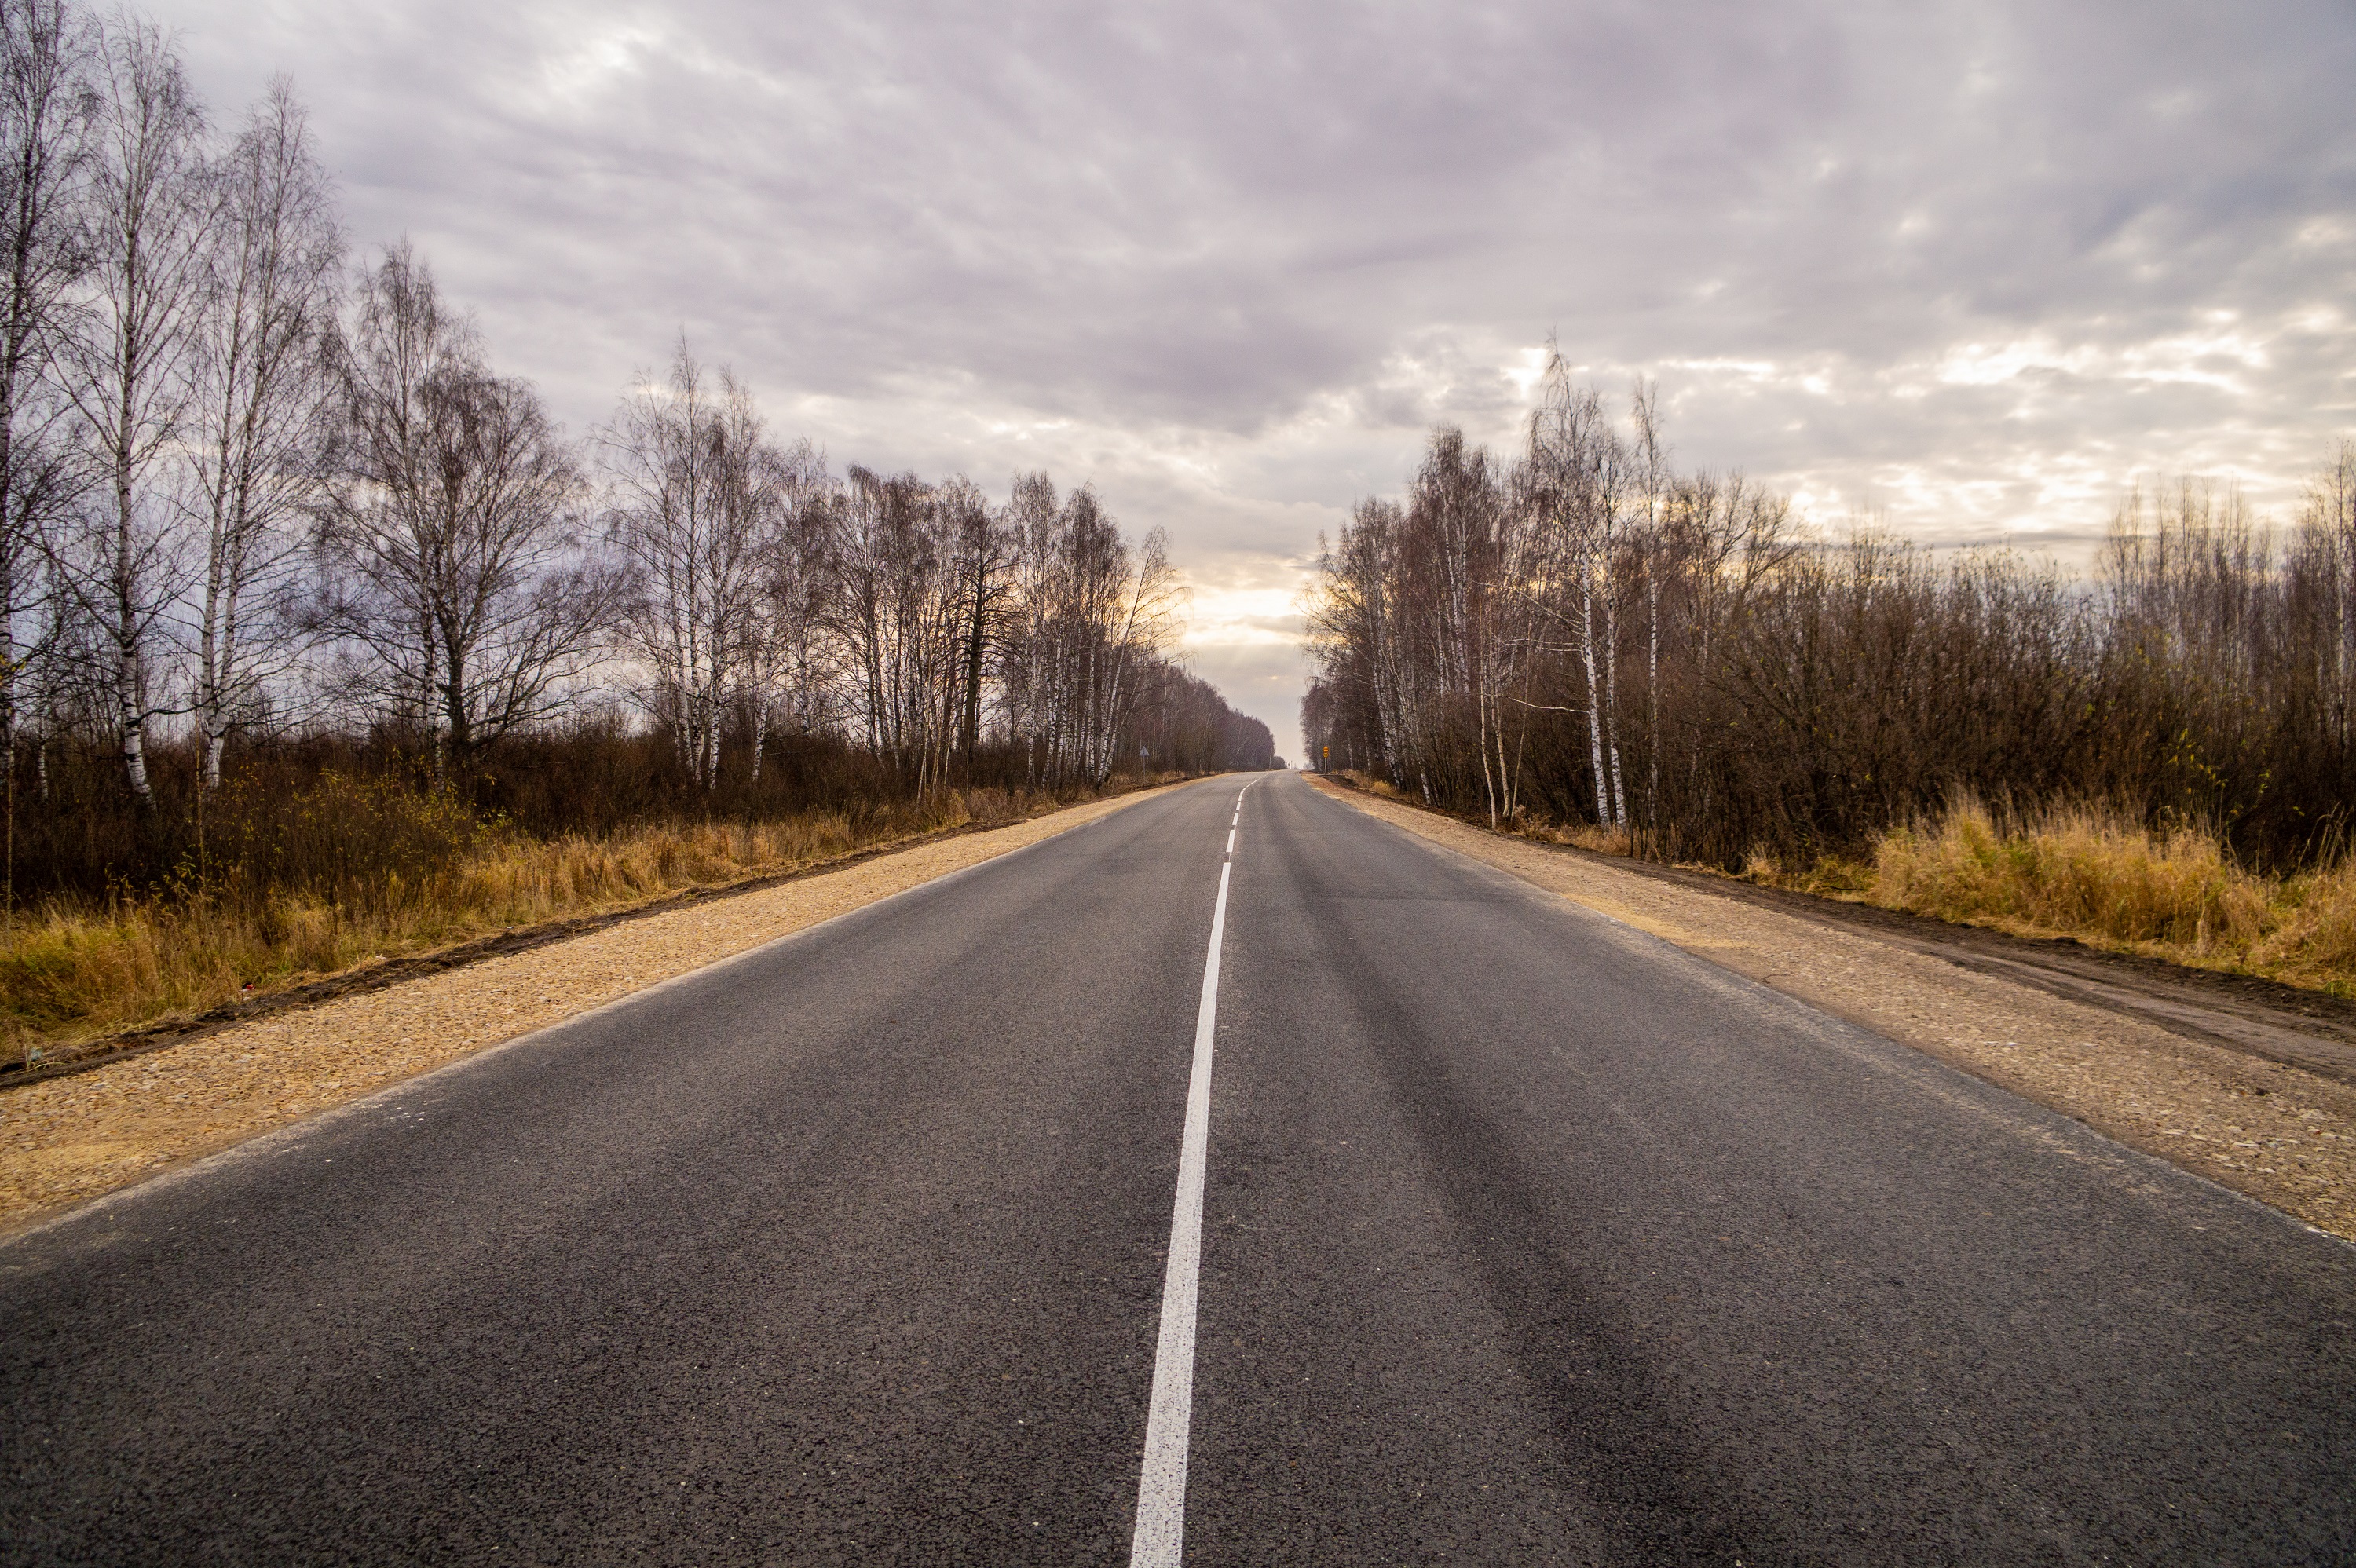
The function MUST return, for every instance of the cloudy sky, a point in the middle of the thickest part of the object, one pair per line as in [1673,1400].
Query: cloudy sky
[1968,268]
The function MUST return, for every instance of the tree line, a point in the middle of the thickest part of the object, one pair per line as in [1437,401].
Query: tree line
[249,496]
[1587,632]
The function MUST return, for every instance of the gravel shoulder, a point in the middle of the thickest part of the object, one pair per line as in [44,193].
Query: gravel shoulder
[2270,1128]
[68,1139]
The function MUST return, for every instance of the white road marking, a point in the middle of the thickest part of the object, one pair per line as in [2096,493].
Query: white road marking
[1162,1483]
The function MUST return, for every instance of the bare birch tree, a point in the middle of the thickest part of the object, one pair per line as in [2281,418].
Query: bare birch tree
[46,111]
[981,552]
[265,399]
[697,501]
[150,214]
[1025,654]
[452,537]
[788,657]
[1355,628]
[1579,473]
[894,604]
[1085,616]
[1652,482]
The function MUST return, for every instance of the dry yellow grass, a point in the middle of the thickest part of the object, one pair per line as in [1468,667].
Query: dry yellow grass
[2074,871]
[71,972]
[1578,835]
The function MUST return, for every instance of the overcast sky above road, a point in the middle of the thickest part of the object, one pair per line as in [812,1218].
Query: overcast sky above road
[1973,268]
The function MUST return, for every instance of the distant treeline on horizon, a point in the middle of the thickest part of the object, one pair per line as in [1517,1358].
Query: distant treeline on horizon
[1587,633]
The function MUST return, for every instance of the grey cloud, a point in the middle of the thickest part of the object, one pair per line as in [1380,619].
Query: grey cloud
[1209,215]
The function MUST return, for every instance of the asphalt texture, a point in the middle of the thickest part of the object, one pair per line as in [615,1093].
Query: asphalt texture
[1527,1239]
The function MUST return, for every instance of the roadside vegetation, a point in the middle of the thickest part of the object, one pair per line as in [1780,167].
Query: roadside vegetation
[321,640]
[2175,893]
[352,870]
[1587,642]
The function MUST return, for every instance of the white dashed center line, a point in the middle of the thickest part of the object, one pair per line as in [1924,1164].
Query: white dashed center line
[1162,1484]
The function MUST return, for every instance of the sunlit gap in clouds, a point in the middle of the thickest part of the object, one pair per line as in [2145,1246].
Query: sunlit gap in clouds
[1245,618]
[575,78]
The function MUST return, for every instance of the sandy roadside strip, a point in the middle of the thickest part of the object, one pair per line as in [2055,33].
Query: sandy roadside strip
[67,1140]
[2282,1136]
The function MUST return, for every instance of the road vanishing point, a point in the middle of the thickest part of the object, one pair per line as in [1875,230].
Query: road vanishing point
[1234,1179]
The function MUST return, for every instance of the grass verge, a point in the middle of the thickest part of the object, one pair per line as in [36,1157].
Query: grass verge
[2094,875]
[2074,871]
[355,873]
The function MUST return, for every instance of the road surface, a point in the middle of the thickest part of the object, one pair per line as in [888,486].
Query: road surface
[1523,1238]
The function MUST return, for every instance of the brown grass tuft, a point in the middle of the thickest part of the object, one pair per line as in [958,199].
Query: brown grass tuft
[2077,871]
[2313,938]
[2099,876]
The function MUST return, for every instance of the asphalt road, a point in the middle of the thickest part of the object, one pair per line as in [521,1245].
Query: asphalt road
[1525,1239]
